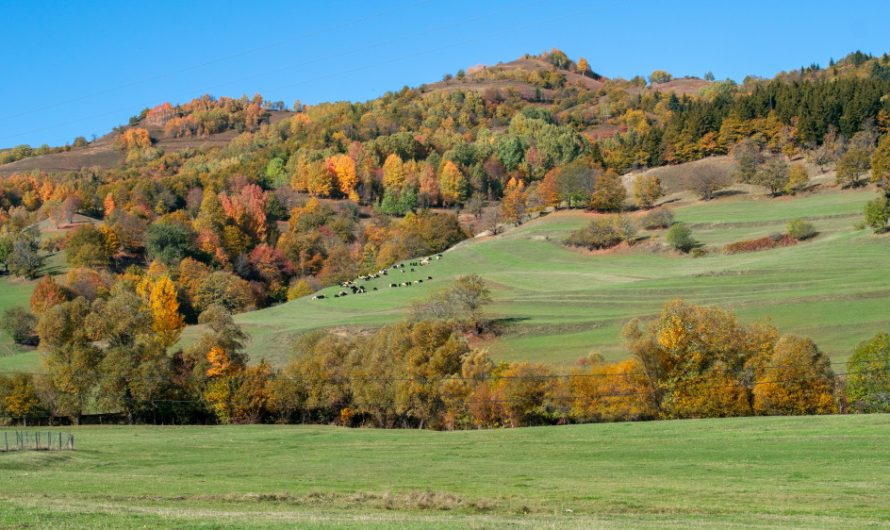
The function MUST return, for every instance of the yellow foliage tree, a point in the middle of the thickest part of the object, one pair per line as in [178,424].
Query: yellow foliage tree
[167,321]
[514,202]
[343,167]
[646,190]
[611,392]
[797,379]
[393,172]
[319,181]
[451,183]
[220,364]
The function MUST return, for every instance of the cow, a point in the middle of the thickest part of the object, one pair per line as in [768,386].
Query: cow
[429,277]
[343,293]
[318,297]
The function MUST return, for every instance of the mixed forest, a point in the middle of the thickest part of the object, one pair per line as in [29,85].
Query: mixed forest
[178,232]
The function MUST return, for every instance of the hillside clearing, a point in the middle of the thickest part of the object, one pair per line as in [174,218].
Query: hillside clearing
[557,304]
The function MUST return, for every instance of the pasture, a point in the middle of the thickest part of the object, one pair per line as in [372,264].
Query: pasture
[825,472]
[554,304]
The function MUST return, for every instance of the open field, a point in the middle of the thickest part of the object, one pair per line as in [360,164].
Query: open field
[559,304]
[825,472]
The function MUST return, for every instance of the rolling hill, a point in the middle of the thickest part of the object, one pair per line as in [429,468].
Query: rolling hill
[555,304]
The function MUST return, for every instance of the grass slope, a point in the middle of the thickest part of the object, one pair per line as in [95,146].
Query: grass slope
[815,472]
[561,304]
[16,292]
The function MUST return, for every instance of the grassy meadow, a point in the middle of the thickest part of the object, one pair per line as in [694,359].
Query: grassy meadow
[556,304]
[816,472]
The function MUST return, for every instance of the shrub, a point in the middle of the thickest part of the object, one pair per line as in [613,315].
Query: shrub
[298,289]
[801,229]
[680,237]
[603,232]
[657,218]
[763,243]
[877,213]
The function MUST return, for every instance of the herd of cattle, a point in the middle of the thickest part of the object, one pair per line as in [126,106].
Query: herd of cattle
[355,287]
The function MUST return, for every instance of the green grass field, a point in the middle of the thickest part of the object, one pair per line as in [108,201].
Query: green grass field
[16,292]
[813,472]
[559,304]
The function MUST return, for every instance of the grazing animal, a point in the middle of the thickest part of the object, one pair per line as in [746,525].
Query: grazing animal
[412,270]
[343,293]
[336,296]
[429,277]
[375,288]
[393,285]
[318,297]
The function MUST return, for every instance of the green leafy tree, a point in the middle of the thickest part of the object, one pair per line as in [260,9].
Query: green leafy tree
[877,214]
[773,175]
[609,193]
[19,324]
[25,258]
[169,242]
[87,247]
[680,237]
[852,166]
[880,162]
[868,375]
[463,302]
[659,76]
[71,360]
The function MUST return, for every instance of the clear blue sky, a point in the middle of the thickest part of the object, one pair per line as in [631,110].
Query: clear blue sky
[80,68]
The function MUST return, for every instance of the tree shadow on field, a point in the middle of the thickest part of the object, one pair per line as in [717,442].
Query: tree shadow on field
[727,193]
[499,326]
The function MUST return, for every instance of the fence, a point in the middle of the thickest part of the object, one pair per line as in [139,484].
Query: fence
[36,441]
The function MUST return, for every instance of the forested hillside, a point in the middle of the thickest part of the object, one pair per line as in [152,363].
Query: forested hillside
[196,211]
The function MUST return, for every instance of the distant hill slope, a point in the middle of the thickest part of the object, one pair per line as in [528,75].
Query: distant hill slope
[103,152]
[556,304]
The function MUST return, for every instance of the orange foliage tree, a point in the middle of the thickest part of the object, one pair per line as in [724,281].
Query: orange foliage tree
[343,168]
